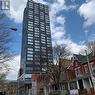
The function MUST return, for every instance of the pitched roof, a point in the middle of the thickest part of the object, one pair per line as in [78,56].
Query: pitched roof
[83,58]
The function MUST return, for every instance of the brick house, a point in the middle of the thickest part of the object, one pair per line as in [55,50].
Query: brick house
[84,67]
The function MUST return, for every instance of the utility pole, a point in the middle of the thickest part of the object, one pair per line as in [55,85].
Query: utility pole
[90,71]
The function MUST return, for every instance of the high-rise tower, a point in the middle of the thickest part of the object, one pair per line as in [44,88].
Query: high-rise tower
[36,40]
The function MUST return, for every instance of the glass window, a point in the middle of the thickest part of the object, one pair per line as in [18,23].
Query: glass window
[31,49]
[29,58]
[86,68]
[37,49]
[41,6]
[36,33]
[42,40]
[31,43]
[73,85]
[43,35]
[37,36]
[44,69]
[29,55]
[30,52]
[37,46]
[30,34]
[30,24]
[42,29]
[30,29]
[37,68]
[30,40]
[37,41]
[29,68]
[43,47]
[37,63]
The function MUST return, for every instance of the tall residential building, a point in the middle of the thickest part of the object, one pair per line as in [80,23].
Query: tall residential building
[36,40]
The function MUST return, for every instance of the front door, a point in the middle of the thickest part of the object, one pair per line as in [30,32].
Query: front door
[80,84]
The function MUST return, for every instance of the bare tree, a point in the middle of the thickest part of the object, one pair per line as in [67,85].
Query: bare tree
[5,54]
[60,54]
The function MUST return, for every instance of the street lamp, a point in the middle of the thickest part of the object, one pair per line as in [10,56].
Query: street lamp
[14,29]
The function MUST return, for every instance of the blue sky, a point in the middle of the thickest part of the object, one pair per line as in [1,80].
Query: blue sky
[72,23]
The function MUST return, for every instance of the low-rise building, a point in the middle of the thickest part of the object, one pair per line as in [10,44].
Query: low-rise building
[8,87]
[84,68]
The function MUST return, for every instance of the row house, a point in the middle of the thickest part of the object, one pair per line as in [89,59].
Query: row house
[84,68]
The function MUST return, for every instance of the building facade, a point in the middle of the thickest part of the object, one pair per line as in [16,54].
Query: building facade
[36,53]
[84,67]
[8,87]
[36,40]
[77,78]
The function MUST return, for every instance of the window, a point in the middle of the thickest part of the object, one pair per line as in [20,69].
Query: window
[37,63]
[30,34]
[43,47]
[37,36]
[44,69]
[30,27]
[37,41]
[43,42]
[36,29]
[73,85]
[30,23]
[43,35]
[37,49]
[41,6]
[29,68]
[37,68]
[45,63]
[31,49]
[28,72]
[36,33]
[29,58]
[36,11]
[37,44]
[77,71]
[30,40]
[42,29]
[86,68]
[29,55]
[31,43]
[30,52]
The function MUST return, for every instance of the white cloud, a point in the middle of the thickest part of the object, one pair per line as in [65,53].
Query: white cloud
[16,9]
[60,20]
[87,11]
[14,65]
[92,37]
[73,47]
[58,32]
